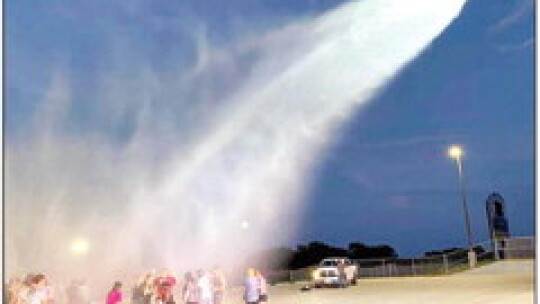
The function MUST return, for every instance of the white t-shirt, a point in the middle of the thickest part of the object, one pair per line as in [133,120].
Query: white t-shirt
[205,287]
[263,286]
[36,296]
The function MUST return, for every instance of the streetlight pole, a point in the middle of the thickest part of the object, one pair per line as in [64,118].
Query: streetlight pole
[456,152]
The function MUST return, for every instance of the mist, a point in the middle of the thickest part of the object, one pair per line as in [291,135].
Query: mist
[203,163]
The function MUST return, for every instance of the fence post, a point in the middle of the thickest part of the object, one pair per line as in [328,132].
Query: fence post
[384,272]
[496,249]
[413,268]
[445,263]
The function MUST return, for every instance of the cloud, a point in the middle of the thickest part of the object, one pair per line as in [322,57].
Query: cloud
[517,46]
[522,9]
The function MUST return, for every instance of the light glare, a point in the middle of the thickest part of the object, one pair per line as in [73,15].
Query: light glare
[79,246]
[455,152]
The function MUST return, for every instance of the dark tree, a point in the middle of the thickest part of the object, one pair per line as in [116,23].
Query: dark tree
[314,252]
[361,251]
[311,254]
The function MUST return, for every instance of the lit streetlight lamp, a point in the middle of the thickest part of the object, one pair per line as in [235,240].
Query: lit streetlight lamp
[456,152]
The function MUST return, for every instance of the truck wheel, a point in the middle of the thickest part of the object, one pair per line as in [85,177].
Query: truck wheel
[353,280]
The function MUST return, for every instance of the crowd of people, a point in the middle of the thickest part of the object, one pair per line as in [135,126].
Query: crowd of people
[198,287]
[33,289]
[201,287]
[37,289]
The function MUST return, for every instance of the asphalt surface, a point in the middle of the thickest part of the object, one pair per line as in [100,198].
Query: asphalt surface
[473,289]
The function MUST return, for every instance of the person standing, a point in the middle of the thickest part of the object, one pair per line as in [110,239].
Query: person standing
[263,287]
[148,289]
[220,285]
[190,292]
[24,290]
[137,292]
[342,274]
[251,287]
[115,294]
[205,288]
[37,293]
[164,287]
[11,292]
[49,291]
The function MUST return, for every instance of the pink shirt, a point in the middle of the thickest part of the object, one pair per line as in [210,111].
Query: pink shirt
[114,296]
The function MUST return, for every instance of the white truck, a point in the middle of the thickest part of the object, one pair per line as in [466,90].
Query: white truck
[328,273]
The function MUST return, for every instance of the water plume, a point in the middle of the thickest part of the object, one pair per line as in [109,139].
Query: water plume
[215,158]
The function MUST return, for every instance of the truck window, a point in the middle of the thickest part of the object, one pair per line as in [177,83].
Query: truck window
[328,263]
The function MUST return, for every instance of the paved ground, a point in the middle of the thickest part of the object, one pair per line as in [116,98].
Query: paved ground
[505,267]
[462,289]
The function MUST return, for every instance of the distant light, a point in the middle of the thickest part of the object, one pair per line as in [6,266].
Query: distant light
[79,246]
[455,152]
[244,225]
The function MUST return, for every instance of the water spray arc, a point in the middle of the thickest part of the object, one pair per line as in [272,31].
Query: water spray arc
[248,166]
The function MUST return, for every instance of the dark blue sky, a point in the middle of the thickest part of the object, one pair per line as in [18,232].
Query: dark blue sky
[387,178]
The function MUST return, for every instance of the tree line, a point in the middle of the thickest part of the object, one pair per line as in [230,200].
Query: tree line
[284,258]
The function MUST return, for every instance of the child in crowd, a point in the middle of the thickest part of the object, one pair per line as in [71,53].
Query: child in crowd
[115,295]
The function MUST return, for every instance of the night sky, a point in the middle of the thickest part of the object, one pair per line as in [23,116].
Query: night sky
[387,178]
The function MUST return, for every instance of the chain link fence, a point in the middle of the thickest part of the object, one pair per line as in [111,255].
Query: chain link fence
[441,264]
[447,263]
